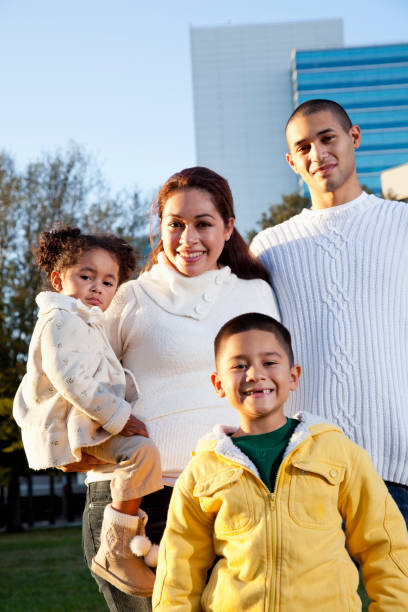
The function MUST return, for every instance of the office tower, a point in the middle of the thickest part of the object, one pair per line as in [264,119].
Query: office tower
[242,99]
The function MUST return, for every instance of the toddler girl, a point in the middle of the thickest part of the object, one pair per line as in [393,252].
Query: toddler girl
[72,398]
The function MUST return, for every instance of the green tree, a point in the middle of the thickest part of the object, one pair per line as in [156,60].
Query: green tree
[63,186]
[291,205]
[10,185]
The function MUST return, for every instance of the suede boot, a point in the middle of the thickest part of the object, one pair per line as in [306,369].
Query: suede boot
[115,561]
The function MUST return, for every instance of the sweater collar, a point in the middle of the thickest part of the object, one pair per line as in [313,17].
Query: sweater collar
[363,198]
[188,296]
[49,300]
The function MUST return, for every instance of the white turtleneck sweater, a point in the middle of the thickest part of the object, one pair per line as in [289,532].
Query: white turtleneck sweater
[162,326]
[341,280]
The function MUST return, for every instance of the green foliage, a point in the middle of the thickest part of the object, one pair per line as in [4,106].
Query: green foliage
[63,186]
[291,205]
[13,458]
[9,431]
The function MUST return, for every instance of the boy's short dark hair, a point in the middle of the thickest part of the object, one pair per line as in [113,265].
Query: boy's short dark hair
[316,106]
[254,320]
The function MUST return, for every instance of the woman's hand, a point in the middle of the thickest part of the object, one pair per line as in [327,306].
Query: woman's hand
[134,427]
[87,463]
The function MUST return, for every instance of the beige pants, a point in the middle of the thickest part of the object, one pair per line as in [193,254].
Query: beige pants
[137,471]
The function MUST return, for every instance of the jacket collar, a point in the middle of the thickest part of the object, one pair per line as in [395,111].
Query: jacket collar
[50,300]
[309,424]
[225,447]
[220,442]
[188,296]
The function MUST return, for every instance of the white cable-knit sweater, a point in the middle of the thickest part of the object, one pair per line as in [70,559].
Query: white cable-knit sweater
[163,326]
[341,280]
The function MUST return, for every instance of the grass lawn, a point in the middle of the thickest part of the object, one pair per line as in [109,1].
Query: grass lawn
[43,571]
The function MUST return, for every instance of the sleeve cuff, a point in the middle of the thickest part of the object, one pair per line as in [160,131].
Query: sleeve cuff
[119,419]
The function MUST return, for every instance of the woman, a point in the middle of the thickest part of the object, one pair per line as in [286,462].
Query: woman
[162,327]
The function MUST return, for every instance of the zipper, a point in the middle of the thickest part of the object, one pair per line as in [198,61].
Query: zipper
[271,522]
[272,513]
[272,510]
[274,545]
[271,527]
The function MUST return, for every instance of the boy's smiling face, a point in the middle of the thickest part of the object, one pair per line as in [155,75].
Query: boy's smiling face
[255,376]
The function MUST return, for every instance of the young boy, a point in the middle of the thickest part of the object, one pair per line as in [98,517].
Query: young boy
[261,508]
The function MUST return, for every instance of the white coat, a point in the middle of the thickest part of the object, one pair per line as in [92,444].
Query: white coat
[73,392]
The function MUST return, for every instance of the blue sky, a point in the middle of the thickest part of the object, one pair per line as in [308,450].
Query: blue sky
[115,76]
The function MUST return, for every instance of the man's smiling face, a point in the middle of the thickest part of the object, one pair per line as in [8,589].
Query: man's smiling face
[322,151]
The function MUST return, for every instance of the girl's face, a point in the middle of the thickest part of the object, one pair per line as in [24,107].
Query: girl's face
[193,232]
[93,280]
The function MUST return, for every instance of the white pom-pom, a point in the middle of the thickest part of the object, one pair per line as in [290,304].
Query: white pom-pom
[140,545]
[152,556]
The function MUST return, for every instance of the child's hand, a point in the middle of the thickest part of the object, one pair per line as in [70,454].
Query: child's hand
[134,427]
[87,463]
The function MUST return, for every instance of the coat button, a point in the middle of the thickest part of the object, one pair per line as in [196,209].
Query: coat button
[218,279]
[333,473]
[199,309]
[208,297]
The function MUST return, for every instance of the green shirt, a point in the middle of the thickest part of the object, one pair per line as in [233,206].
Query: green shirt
[266,450]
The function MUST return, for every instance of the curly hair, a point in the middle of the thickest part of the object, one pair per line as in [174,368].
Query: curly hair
[236,253]
[62,247]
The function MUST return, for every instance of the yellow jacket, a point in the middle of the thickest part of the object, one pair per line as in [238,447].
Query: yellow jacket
[282,551]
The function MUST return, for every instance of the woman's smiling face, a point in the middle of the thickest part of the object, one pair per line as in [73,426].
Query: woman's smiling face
[193,232]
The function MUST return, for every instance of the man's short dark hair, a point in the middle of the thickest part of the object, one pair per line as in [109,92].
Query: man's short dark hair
[254,320]
[316,106]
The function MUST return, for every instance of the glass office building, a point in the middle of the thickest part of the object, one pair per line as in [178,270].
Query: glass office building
[371,83]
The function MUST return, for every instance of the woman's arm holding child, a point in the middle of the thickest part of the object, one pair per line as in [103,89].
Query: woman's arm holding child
[86,463]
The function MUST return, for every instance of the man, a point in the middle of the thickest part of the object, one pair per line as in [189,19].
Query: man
[340,272]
